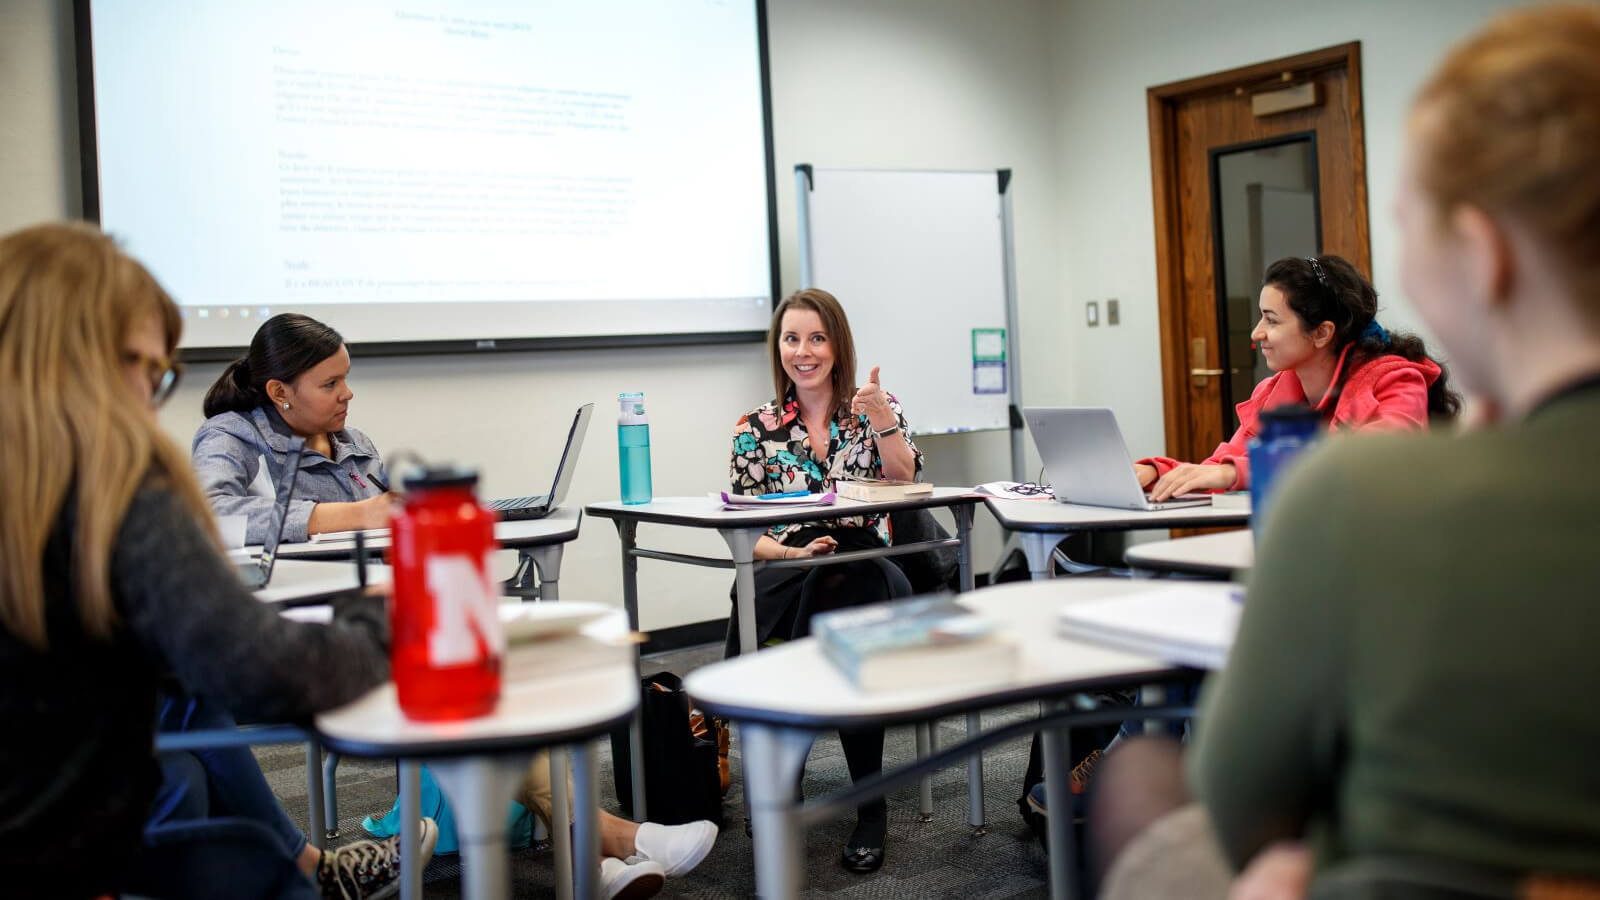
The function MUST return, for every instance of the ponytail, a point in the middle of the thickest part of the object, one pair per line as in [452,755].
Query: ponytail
[233,391]
[284,347]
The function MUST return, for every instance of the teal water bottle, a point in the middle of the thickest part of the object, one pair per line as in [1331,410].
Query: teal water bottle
[633,448]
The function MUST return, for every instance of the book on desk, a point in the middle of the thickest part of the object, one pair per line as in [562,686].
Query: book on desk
[918,643]
[877,490]
[1189,625]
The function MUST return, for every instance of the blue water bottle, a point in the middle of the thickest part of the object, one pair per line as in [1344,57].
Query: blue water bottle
[1285,432]
[633,448]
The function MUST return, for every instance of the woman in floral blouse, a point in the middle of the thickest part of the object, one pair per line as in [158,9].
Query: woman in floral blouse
[813,377]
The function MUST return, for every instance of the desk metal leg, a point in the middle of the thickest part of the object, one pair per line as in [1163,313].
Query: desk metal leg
[585,821]
[314,807]
[410,829]
[478,787]
[1037,546]
[547,560]
[561,823]
[964,552]
[925,748]
[975,811]
[742,546]
[330,796]
[1058,799]
[1151,696]
[773,756]
[627,532]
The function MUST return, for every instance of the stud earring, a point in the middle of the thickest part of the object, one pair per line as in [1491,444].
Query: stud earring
[286,406]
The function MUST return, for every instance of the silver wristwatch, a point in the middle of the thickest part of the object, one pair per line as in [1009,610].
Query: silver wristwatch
[887,432]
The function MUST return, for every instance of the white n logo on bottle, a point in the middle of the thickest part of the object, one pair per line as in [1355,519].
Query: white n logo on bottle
[464,611]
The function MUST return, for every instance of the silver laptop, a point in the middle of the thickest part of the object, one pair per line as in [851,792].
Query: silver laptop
[256,572]
[513,508]
[1088,462]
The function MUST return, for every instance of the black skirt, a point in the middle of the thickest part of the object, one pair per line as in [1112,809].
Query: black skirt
[786,599]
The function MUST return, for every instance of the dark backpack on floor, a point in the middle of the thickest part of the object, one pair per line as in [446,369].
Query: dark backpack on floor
[681,781]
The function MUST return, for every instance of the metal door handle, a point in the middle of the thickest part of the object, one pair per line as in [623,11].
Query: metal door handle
[1202,372]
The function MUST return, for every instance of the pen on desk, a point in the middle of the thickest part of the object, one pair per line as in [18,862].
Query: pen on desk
[782,495]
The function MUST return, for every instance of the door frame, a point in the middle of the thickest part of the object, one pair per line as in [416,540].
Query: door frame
[1163,101]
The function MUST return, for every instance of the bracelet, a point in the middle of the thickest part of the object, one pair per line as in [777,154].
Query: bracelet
[888,432]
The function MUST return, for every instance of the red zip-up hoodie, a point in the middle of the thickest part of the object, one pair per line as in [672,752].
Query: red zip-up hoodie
[1387,392]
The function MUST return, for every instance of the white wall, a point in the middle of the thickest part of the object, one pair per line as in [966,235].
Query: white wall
[1107,54]
[891,83]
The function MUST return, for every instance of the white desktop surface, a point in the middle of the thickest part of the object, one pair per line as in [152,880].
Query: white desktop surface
[558,527]
[304,581]
[546,709]
[705,512]
[1205,554]
[762,686]
[1053,516]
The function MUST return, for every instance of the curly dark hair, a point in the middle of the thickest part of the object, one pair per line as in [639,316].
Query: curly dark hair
[1329,289]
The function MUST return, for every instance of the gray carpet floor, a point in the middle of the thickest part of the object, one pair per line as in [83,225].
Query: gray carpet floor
[941,858]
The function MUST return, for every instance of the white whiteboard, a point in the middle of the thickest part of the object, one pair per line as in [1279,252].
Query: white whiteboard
[918,259]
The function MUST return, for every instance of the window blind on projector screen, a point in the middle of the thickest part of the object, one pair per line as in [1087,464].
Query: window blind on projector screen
[438,174]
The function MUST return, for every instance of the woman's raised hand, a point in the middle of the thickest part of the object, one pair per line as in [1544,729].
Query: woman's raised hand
[873,402]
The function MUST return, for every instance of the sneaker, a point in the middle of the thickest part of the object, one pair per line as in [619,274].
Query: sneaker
[678,848]
[368,870]
[1083,771]
[622,881]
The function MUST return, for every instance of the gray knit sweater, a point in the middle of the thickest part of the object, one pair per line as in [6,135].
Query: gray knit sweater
[76,773]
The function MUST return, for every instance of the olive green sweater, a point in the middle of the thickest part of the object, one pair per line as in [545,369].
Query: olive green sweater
[1417,672]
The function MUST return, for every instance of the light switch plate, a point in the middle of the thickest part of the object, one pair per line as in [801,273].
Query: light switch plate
[1092,309]
[1113,315]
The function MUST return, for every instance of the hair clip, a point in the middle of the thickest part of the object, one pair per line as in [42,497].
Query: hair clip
[1316,269]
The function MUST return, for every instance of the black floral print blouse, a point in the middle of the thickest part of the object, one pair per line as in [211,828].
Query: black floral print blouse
[772,454]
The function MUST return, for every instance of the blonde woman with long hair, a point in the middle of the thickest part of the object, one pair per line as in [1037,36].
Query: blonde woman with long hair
[111,579]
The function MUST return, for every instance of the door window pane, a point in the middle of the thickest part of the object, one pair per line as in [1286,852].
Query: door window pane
[1266,209]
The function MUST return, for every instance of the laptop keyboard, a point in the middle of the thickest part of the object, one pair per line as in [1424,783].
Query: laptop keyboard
[516,502]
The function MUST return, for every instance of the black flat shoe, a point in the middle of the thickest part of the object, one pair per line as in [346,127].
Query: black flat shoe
[862,859]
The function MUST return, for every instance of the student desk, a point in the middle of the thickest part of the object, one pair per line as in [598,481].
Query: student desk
[479,762]
[1042,524]
[538,542]
[779,723]
[741,529]
[1211,555]
[298,582]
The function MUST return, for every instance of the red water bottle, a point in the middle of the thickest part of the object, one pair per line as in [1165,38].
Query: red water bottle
[447,641]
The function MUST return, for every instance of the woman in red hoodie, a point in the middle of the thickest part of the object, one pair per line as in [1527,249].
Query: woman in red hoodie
[1319,332]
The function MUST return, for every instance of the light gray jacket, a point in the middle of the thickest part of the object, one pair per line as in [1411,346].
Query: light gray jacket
[239,458]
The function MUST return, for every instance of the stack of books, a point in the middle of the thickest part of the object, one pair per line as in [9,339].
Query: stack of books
[923,642]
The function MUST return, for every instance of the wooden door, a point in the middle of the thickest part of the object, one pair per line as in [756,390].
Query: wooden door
[1206,139]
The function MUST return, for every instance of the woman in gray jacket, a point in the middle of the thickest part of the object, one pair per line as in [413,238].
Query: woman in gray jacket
[294,381]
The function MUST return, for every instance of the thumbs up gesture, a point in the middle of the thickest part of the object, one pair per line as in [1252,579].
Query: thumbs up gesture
[871,401]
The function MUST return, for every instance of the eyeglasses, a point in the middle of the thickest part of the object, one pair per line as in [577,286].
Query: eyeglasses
[163,374]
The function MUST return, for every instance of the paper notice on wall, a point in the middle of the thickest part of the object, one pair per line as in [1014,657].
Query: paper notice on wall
[988,377]
[988,345]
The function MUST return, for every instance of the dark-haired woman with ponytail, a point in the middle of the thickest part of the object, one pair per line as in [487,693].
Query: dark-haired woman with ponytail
[1319,332]
[293,382]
